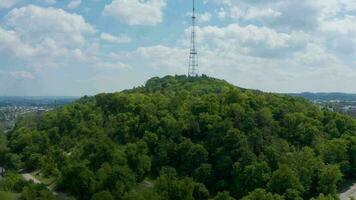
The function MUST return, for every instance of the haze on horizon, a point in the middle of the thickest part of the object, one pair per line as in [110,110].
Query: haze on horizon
[77,47]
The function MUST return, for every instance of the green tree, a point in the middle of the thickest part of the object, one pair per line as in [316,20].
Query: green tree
[169,187]
[78,180]
[104,195]
[261,194]
[329,176]
[12,182]
[191,156]
[36,192]
[323,197]
[138,159]
[283,180]
[200,192]
[3,148]
[223,196]
[250,177]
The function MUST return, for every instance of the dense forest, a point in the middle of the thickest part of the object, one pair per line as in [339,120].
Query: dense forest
[179,138]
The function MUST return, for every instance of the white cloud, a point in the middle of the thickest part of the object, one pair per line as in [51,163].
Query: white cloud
[253,13]
[74,4]
[280,14]
[221,13]
[115,39]
[51,2]
[37,24]
[11,45]
[136,12]
[204,17]
[22,75]
[57,38]
[7,3]
[251,39]
[273,45]
[344,26]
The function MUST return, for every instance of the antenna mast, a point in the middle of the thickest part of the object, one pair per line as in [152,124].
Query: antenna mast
[193,56]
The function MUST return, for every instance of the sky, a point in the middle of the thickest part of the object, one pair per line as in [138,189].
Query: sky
[85,47]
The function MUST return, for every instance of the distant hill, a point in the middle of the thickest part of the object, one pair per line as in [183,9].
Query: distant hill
[180,138]
[326,96]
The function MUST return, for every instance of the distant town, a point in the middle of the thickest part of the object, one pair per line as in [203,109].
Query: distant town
[13,108]
[338,102]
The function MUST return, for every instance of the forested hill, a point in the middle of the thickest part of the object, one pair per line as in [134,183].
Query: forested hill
[179,138]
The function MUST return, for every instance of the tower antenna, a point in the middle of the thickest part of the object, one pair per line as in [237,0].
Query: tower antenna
[193,70]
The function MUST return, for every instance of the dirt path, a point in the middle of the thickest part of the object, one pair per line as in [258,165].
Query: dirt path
[351,192]
[29,177]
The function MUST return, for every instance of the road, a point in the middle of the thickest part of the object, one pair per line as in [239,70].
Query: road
[351,192]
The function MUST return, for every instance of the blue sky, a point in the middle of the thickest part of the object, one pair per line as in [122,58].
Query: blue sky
[84,47]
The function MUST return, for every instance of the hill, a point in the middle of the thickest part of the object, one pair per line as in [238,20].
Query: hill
[180,138]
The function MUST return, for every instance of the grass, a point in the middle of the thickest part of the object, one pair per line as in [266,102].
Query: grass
[8,196]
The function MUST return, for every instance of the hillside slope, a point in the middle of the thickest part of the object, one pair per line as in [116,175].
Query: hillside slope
[188,138]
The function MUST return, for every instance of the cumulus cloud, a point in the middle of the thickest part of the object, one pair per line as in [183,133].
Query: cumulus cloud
[205,17]
[11,44]
[136,12]
[74,4]
[273,45]
[286,45]
[253,13]
[46,37]
[344,26]
[221,13]
[251,40]
[280,14]
[115,39]
[37,24]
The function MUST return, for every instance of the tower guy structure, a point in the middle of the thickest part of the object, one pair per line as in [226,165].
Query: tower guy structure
[193,69]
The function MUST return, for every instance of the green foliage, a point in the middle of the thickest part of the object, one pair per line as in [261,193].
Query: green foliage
[5,195]
[169,187]
[194,138]
[12,182]
[329,176]
[3,148]
[323,197]
[200,192]
[104,195]
[284,179]
[250,177]
[78,179]
[261,194]
[36,192]
[223,196]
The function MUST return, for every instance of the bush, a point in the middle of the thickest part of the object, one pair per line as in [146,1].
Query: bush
[12,182]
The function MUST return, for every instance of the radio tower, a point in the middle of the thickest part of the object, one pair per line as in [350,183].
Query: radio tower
[193,70]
